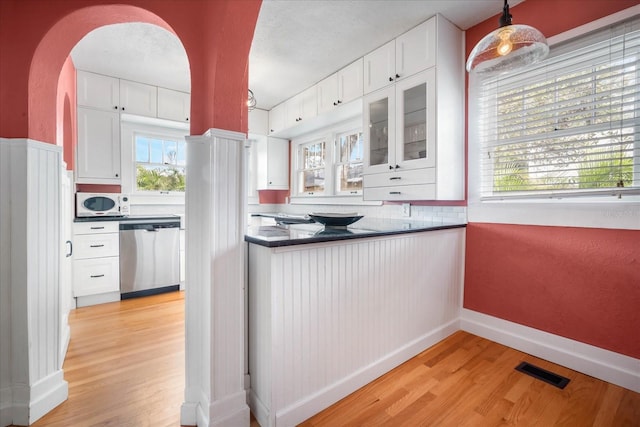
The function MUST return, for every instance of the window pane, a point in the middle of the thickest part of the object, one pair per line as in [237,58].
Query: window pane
[349,177]
[170,153]
[350,148]
[142,149]
[156,151]
[182,157]
[312,180]
[160,178]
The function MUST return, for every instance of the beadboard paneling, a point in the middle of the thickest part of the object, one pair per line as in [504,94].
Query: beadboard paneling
[33,181]
[326,317]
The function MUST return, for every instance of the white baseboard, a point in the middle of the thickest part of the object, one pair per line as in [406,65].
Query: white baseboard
[188,414]
[303,409]
[259,410]
[6,398]
[30,403]
[594,361]
[97,299]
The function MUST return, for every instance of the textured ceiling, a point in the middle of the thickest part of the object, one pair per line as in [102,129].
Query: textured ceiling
[296,43]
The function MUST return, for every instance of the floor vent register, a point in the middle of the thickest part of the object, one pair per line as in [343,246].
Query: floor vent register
[543,375]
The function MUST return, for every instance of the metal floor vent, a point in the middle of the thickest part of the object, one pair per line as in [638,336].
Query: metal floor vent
[543,375]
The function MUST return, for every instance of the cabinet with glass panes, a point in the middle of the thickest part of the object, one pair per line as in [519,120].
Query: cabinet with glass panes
[413,130]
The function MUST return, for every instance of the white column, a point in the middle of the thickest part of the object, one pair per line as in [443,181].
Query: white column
[214,302]
[30,226]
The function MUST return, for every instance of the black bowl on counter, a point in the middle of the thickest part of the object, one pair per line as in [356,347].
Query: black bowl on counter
[335,219]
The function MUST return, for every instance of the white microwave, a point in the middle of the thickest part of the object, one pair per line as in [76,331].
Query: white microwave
[102,204]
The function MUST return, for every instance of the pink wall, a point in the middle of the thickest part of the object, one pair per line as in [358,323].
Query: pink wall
[66,119]
[579,283]
[216,35]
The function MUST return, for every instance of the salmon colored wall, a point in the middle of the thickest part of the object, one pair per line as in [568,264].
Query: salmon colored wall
[579,283]
[37,36]
[66,118]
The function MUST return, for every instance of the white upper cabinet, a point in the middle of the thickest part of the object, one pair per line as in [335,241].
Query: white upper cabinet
[303,106]
[98,151]
[379,67]
[340,88]
[416,50]
[413,129]
[174,105]
[258,122]
[272,163]
[98,91]
[138,99]
[403,57]
[277,118]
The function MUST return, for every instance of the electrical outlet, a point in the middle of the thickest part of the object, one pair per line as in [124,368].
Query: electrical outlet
[406,209]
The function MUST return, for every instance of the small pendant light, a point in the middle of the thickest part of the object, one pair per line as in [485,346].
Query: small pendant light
[251,100]
[508,48]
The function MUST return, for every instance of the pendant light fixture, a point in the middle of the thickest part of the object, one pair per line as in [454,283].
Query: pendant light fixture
[508,48]
[251,100]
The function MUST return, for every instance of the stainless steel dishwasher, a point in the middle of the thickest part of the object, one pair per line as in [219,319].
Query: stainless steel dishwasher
[149,256]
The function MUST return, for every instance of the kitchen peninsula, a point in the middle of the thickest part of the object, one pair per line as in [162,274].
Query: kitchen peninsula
[332,309]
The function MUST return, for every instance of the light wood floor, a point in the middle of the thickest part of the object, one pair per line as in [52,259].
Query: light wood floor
[466,380]
[125,365]
[125,368]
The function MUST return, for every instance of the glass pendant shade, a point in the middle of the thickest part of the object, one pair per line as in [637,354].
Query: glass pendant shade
[507,48]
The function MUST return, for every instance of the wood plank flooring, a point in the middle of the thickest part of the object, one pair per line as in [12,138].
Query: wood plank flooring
[125,368]
[466,380]
[125,365]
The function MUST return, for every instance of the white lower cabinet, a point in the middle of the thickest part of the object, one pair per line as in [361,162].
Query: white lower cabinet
[327,318]
[96,262]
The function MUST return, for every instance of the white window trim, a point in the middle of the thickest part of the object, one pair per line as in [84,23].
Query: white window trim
[330,197]
[599,212]
[128,165]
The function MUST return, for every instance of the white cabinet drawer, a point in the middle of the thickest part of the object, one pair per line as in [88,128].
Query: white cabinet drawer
[406,177]
[96,276]
[400,192]
[96,227]
[96,245]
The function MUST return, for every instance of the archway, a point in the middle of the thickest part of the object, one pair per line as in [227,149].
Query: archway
[217,38]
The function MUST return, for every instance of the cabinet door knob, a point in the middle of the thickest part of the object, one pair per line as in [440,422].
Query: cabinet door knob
[115,107]
[390,167]
[335,103]
[187,119]
[390,79]
[122,108]
[397,167]
[339,102]
[116,175]
[397,76]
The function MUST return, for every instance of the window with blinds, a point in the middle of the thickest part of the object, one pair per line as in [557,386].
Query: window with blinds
[569,126]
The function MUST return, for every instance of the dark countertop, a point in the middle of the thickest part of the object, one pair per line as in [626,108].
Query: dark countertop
[271,235]
[128,218]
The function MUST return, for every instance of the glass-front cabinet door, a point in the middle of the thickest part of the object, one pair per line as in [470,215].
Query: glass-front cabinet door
[415,122]
[379,130]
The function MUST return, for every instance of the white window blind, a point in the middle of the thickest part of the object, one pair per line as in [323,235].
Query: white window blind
[569,126]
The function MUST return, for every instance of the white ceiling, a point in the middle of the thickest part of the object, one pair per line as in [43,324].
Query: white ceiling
[296,43]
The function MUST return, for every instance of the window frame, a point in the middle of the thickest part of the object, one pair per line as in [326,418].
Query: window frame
[597,212]
[330,194]
[162,129]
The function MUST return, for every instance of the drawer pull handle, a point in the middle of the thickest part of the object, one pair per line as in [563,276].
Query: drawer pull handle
[96,246]
[395,177]
[95,276]
[97,228]
[394,192]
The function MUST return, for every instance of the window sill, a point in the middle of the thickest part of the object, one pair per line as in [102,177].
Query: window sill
[614,213]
